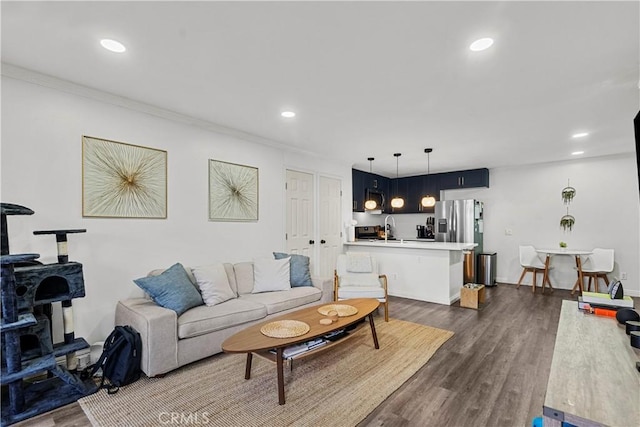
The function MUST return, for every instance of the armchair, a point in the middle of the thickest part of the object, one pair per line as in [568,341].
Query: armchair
[356,276]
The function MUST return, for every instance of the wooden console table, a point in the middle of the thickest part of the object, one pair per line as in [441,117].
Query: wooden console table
[593,379]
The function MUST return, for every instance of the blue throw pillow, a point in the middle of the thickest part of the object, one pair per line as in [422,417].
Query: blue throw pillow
[172,289]
[299,273]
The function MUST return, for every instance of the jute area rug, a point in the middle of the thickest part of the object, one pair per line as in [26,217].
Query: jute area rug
[338,387]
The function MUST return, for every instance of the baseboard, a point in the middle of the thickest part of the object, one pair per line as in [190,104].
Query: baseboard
[630,292]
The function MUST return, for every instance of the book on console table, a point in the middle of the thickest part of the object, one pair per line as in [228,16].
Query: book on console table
[605,300]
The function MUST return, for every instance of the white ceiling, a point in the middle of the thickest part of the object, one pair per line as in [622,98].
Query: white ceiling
[365,78]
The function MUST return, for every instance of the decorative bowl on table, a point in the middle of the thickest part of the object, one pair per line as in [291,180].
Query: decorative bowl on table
[343,310]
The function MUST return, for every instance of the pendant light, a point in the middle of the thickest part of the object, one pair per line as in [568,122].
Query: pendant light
[370,204]
[397,201]
[428,201]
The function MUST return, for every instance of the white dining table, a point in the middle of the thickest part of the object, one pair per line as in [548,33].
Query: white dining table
[564,251]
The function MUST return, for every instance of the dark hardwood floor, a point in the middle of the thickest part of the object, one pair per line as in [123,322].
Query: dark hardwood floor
[492,372]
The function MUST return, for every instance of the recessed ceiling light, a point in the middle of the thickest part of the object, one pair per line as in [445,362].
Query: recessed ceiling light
[481,44]
[288,114]
[577,153]
[580,135]
[113,45]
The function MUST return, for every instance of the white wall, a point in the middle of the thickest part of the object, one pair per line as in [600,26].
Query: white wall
[41,169]
[527,201]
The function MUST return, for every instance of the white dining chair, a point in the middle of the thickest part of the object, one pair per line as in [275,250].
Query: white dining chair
[531,262]
[597,265]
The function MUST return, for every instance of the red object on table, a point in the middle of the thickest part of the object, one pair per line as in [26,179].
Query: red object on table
[604,312]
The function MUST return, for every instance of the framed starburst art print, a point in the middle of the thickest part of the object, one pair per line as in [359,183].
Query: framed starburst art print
[233,192]
[122,180]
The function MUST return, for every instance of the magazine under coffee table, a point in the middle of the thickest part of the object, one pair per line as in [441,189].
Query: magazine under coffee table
[251,340]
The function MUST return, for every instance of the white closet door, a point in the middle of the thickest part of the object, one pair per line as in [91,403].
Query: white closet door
[330,224]
[300,207]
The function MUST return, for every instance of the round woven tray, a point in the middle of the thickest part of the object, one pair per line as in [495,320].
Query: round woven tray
[285,329]
[343,310]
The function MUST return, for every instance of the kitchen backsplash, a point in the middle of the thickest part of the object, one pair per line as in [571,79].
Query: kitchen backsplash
[405,223]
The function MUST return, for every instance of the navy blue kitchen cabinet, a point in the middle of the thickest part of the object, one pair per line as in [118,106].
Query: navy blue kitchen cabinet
[358,180]
[471,178]
[399,187]
[363,181]
[430,186]
[413,188]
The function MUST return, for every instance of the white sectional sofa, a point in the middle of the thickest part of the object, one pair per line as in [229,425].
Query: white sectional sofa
[170,341]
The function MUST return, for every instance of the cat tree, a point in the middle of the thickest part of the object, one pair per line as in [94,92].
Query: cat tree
[33,381]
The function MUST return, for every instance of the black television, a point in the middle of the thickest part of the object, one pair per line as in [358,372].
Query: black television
[636,126]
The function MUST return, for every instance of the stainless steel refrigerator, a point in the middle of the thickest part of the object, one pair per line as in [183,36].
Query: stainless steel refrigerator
[461,221]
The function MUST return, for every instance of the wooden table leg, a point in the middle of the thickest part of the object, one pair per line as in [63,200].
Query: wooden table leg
[545,278]
[373,331]
[580,278]
[279,362]
[247,369]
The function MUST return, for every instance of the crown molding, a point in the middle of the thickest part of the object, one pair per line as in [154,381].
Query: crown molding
[45,80]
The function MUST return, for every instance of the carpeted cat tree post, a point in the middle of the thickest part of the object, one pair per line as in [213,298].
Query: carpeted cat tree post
[34,381]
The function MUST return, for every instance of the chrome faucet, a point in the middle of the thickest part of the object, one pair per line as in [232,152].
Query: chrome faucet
[386,226]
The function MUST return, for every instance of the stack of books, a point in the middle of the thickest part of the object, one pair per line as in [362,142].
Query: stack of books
[294,350]
[596,299]
[335,335]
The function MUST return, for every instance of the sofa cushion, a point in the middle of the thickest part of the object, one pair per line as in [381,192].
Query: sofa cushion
[172,289]
[205,319]
[271,275]
[299,269]
[244,277]
[213,283]
[231,275]
[360,279]
[346,292]
[278,301]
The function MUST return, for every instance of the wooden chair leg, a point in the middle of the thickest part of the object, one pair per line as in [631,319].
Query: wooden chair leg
[589,284]
[386,311]
[535,280]
[524,271]
[606,281]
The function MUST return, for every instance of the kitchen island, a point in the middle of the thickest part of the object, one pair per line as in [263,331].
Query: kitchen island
[426,271]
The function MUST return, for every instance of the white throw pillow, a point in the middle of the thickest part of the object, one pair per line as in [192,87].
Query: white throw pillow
[271,275]
[359,262]
[213,283]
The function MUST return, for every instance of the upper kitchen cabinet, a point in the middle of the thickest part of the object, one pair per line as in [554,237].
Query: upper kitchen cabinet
[365,181]
[414,189]
[357,180]
[399,187]
[430,186]
[471,178]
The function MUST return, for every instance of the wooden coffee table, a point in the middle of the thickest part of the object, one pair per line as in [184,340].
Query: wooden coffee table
[251,340]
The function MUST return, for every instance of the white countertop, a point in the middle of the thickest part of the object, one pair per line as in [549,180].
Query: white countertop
[441,246]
